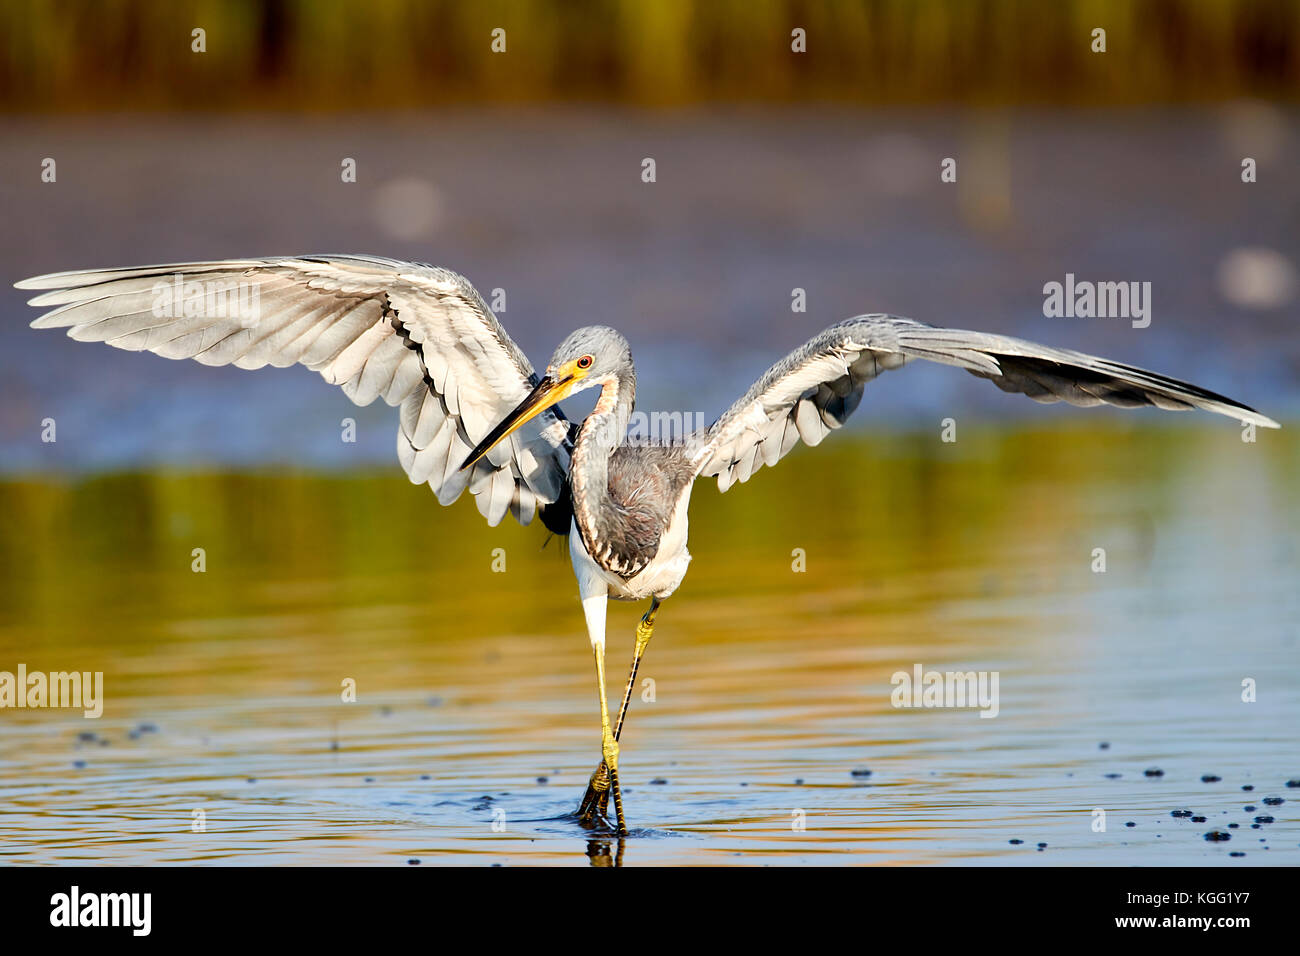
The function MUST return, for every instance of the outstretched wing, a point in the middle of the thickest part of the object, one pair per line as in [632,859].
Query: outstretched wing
[417,336]
[815,388]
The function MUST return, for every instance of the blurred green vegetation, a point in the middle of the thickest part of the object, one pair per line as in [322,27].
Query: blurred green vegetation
[108,550]
[337,55]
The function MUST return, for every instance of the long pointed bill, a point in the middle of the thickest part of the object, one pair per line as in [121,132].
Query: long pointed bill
[546,394]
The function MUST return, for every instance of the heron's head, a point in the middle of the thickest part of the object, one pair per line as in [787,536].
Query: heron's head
[593,356]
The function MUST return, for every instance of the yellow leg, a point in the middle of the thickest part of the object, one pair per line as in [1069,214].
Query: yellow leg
[644,631]
[609,745]
[596,800]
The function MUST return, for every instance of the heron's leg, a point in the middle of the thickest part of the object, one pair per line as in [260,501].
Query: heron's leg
[644,631]
[596,799]
[608,743]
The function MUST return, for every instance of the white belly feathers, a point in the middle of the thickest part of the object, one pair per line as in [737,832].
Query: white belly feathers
[660,578]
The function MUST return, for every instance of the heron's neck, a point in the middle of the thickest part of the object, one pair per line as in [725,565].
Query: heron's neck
[600,435]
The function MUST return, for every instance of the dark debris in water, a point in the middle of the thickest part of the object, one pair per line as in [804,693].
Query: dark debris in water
[1183,813]
[1015,842]
[860,772]
[1236,853]
[658,782]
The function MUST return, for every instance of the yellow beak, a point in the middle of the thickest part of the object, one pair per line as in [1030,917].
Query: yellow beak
[548,391]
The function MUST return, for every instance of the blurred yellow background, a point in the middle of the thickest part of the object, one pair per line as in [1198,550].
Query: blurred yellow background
[331,55]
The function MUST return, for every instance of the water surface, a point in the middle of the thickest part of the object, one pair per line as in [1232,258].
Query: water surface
[475,690]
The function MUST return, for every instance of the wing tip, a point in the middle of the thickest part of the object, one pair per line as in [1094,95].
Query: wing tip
[58,281]
[1243,413]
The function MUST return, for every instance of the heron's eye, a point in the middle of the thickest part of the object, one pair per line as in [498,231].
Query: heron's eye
[585,361]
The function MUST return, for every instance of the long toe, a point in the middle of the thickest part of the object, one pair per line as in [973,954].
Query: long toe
[596,799]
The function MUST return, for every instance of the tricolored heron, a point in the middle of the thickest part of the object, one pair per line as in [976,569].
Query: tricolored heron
[475,415]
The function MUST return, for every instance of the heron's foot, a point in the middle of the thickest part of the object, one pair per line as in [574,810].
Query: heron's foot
[595,802]
[604,781]
[609,745]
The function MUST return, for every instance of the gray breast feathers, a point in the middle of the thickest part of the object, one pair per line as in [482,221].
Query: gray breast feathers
[623,532]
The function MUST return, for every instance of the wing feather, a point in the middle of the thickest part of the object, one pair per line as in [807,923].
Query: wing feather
[814,389]
[417,336]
